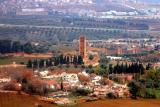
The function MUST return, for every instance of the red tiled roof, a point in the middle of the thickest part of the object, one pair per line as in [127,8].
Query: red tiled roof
[52,82]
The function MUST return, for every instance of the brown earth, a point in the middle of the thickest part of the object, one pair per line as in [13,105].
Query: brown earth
[122,103]
[15,100]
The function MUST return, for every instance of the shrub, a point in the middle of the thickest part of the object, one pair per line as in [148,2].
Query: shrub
[150,93]
[134,89]
[111,96]
[91,57]
[81,92]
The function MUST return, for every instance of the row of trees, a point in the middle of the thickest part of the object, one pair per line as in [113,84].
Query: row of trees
[109,23]
[55,61]
[125,68]
[105,68]
[118,69]
[146,86]
[54,35]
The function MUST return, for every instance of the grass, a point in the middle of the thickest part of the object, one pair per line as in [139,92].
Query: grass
[18,60]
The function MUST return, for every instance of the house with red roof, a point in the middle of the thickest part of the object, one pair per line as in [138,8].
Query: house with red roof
[52,85]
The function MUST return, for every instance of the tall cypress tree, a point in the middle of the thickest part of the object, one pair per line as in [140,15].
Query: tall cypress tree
[68,60]
[29,64]
[75,60]
[35,63]
[61,59]
[80,60]
[110,68]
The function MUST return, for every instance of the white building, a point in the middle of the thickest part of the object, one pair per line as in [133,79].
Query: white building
[43,73]
[71,78]
[114,57]
[95,80]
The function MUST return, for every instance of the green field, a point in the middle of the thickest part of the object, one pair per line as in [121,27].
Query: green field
[5,61]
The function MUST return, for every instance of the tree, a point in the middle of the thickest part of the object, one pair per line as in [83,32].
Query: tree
[152,74]
[47,63]
[5,46]
[29,64]
[148,66]
[134,89]
[68,60]
[91,57]
[56,61]
[110,68]
[62,87]
[65,60]
[81,92]
[111,95]
[75,60]
[141,69]
[35,63]
[16,47]
[41,63]
[28,48]
[61,59]
[50,63]
[80,60]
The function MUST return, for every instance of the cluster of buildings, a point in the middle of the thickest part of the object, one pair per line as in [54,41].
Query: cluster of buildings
[125,46]
[45,7]
[37,7]
[69,80]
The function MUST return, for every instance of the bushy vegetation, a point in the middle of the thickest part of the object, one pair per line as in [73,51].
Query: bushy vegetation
[8,46]
[134,89]
[147,86]
[29,82]
[111,96]
[106,68]
[81,92]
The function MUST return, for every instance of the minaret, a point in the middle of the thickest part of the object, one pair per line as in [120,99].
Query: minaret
[82,46]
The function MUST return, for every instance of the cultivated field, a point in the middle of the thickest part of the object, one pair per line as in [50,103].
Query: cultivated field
[23,58]
[12,100]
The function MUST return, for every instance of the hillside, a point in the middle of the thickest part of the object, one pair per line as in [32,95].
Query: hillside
[71,6]
[55,29]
